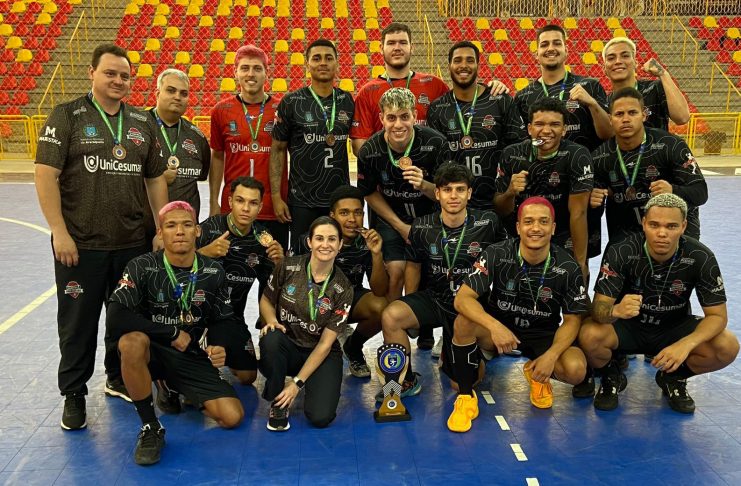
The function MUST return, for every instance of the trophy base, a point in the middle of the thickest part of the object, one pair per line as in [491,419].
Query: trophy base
[385,418]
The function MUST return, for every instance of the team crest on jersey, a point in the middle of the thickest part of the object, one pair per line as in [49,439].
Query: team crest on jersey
[545,294]
[613,176]
[343,117]
[433,249]
[73,289]
[474,248]
[91,131]
[190,146]
[135,136]
[233,127]
[510,286]
[451,124]
[677,287]
[309,117]
[269,126]
[160,296]
[199,297]
[554,179]
[652,172]
[324,305]
[488,121]
[423,99]
[291,289]
[252,260]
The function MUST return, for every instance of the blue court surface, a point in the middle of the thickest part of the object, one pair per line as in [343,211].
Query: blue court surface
[643,442]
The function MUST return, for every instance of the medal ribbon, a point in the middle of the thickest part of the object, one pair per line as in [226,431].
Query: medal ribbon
[171,147]
[314,304]
[116,136]
[450,263]
[466,127]
[183,296]
[542,277]
[406,152]
[630,181]
[328,122]
[254,133]
[563,86]
[388,79]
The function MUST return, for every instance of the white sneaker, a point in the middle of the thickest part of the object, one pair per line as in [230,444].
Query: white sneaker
[437,349]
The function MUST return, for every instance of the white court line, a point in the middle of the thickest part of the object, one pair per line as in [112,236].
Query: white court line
[518,452]
[502,423]
[532,482]
[12,320]
[487,397]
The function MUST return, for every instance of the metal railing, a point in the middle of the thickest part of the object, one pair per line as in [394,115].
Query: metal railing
[75,38]
[716,67]
[687,35]
[15,137]
[51,88]
[429,46]
[715,133]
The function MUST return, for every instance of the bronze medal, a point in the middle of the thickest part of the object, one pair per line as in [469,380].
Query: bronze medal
[537,142]
[330,139]
[467,142]
[405,163]
[265,238]
[630,193]
[119,152]
[173,162]
[254,147]
[188,318]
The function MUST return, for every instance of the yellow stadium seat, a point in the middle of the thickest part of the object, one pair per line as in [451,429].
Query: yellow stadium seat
[152,45]
[347,85]
[75,2]
[182,3]
[298,34]
[710,22]
[131,9]
[253,11]
[358,35]
[377,71]
[228,85]
[267,23]
[327,23]
[282,11]
[6,30]
[134,57]
[371,23]
[281,45]
[500,35]
[217,45]
[737,57]
[172,33]
[14,42]
[152,2]
[482,23]
[162,9]
[383,3]
[375,46]
[268,3]
[495,59]
[589,58]
[144,71]
[526,23]
[193,10]
[613,23]
[478,45]
[569,23]
[619,33]
[18,7]
[341,11]
[361,59]
[24,55]
[521,83]
[44,19]
[597,45]
[533,46]
[279,85]
[50,8]
[223,11]
[206,21]
[159,21]
[182,57]
[733,33]
[195,71]
[229,58]
[297,59]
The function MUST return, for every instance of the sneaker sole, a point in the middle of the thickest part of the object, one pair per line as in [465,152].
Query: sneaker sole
[114,394]
[84,425]
[360,375]
[282,429]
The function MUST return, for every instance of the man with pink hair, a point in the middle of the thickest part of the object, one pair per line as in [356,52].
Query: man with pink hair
[241,136]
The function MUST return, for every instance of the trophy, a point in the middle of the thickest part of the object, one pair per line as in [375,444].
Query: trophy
[392,365]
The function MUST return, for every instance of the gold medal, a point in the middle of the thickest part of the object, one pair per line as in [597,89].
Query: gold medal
[405,163]
[173,162]
[265,238]
[119,152]
[330,139]
[467,142]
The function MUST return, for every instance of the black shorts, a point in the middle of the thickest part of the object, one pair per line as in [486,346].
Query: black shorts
[191,374]
[394,246]
[637,338]
[358,294]
[431,315]
[237,341]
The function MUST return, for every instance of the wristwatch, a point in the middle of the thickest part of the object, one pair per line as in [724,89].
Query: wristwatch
[299,382]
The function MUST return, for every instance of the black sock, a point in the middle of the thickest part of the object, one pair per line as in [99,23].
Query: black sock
[465,366]
[354,345]
[410,374]
[682,373]
[610,369]
[145,409]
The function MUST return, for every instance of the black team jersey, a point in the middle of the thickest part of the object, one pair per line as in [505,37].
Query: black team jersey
[103,198]
[579,124]
[288,291]
[496,124]
[245,262]
[194,155]
[376,172]
[428,246]
[145,289]
[355,260]
[529,299]
[315,168]
[665,157]
[666,288]
[569,172]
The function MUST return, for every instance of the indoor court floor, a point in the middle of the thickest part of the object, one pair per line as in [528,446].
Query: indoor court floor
[511,443]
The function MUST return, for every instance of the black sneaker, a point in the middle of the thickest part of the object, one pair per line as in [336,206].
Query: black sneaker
[585,389]
[357,365]
[74,416]
[675,390]
[607,395]
[278,419]
[149,444]
[167,400]
[425,342]
[114,387]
